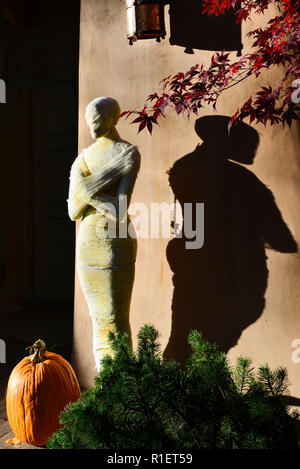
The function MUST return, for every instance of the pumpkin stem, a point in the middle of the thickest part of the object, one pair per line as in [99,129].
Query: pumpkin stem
[37,350]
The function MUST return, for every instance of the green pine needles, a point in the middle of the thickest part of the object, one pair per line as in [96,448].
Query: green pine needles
[142,401]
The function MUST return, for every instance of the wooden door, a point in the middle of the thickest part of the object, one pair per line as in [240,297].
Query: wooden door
[54,149]
[53,83]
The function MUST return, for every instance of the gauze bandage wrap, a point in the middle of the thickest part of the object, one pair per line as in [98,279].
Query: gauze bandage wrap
[82,187]
[105,264]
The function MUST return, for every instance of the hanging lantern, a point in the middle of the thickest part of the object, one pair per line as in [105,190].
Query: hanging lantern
[145,20]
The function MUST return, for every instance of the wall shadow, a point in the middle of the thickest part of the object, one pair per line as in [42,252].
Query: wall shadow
[200,31]
[219,289]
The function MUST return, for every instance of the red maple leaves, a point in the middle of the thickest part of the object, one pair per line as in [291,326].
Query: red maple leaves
[275,45]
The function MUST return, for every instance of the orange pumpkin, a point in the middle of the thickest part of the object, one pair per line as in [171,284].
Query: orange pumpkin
[38,389]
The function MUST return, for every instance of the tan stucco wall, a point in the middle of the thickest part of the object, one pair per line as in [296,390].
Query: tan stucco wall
[108,66]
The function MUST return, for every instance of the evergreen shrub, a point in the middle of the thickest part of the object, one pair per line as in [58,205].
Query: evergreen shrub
[141,401]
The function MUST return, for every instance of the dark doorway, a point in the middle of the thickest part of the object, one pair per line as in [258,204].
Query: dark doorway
[39,62]
[39,49]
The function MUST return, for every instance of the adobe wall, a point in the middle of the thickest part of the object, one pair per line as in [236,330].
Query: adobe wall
[109,66]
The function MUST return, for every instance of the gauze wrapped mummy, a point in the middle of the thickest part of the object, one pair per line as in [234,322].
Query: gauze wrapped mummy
[101,184]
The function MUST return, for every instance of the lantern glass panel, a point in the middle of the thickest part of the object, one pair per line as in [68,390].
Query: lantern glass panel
[131,21]
[150,21]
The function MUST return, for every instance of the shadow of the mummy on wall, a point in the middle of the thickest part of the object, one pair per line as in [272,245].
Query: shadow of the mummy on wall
[219,289]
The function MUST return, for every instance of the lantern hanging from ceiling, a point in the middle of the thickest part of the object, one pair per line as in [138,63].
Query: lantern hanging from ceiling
[145,19]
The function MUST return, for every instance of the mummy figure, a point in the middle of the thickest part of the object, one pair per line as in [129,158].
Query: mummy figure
[101,183]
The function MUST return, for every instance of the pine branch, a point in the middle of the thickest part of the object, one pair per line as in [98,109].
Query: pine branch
[243,374]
